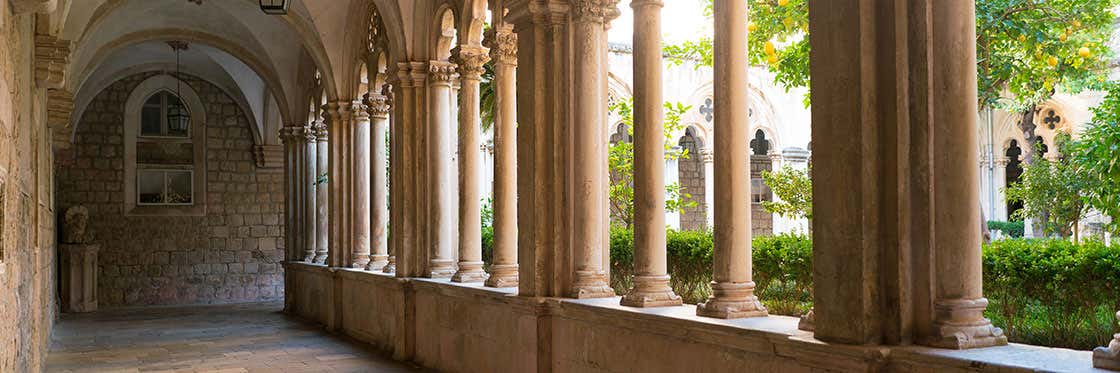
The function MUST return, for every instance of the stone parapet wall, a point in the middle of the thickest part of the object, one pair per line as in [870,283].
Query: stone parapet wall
[456,327]
[231,254]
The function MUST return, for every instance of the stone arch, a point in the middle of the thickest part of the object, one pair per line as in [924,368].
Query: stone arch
[763,114]
[472,22]
[444,34]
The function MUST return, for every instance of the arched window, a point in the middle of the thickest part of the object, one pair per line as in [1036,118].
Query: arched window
[164,155]
[1012,175]
[164,115]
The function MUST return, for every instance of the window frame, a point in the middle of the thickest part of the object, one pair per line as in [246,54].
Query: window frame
[165,129]
[166,184]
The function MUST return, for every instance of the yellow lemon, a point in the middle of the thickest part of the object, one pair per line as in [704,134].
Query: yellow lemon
[1064,37]
[1052,61]
[783,2]
[1084,52]
[769,48]
[1022,38]
[787,21]
[1076,23]
[751,27]
[772,59]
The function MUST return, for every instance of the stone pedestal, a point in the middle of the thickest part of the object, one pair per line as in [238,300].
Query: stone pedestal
[78,267]
[1108,357]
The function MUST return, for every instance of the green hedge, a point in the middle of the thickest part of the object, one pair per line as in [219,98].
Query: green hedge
[1042,292]
[1010,228]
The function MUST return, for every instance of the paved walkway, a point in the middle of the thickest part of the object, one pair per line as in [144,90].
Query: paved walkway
[226,338]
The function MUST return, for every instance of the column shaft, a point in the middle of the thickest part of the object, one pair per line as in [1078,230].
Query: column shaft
[338,182]
[651,279]
[442,218]
[709,186]
[958,310]
[307,192]
[361,185]
[503,51]
[589,280]
[378,106]
[470,60]
[322,212]
[290,179]
[732,288]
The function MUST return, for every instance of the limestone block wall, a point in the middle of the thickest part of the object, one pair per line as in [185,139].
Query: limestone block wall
[231,254]
[691,177]
[28,302]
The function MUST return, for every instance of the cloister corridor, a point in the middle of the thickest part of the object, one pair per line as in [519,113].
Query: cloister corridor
[239,338]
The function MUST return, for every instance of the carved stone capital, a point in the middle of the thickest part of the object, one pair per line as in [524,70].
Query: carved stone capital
[288,134]
[378,106]
[470,60]
[36,6]
[51,57]
[1002,162]
[589,10]
[321,133]
[502,42]
[359,111]
[442,72]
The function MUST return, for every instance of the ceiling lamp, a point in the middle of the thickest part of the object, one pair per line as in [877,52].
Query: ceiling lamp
[178,118]
[275,7]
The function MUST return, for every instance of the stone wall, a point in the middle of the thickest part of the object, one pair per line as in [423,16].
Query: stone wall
[690,172]
[27,247]
[231,254]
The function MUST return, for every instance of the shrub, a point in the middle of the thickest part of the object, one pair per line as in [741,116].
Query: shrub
[1013,229]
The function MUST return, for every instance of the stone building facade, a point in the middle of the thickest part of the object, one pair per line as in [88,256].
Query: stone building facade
[229,254]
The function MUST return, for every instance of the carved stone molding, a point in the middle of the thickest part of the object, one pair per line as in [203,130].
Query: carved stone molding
[440,71]
[60,104]
[589,10]
[36,6]
[378,106]
[470,60]
[51,57]
[502,42]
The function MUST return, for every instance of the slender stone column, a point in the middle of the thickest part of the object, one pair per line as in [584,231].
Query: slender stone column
[378,106]
[307,191]
[959,306]
[338,180]
[291,177]
[1108,357]
[709,185]
[359,257]
[470,60]
[503,50]
[651,279]
[441,220]
[732,288]
[322,213]
[589,280]
[999,182]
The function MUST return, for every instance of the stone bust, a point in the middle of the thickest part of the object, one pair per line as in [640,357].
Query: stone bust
[75,226]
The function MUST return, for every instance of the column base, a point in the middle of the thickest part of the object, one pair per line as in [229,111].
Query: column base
[391,267]
[732,300]
[960,324]
[590,284]
[309,257]
[469,272]
[807,321]
[320,258]
[377,262]
[651,291]
[360,261]
[503,276]
[441,268]
[1108,357]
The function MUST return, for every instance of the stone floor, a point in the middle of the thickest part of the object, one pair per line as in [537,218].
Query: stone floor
[226,338]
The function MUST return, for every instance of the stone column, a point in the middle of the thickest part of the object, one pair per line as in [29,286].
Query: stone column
[1108,357]
[308,221]
[709,185]
[322,213]
[998,183]
[359,257]
[589,280]
[470,60]
[503,51]
[442,218]
[651,278]
[291,180]
[338,180]
[378,106]
[732,287]
[959,303]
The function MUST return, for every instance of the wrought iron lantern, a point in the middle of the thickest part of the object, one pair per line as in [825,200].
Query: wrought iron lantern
[178,118]
[276,7]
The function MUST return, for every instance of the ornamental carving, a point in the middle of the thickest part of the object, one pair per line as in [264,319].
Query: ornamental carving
[378,106]
[503,45]
[36,6]
[470,60]
[51,56]
[440,71]
[271,156]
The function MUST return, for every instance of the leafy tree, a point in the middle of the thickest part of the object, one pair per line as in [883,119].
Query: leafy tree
[1096,154]
[1052,193]
[621,163]
[794,189]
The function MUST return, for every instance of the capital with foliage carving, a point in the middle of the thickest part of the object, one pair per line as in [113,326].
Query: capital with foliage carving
[470,60]
[442,72]
[378,106]
[502,42]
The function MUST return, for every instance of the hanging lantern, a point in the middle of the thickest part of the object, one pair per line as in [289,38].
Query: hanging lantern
[178,118]
[275,7]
